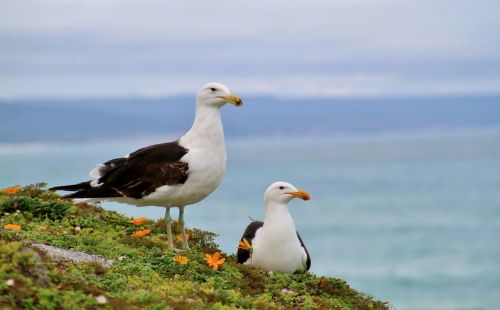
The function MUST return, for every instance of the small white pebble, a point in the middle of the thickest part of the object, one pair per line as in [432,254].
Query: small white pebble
[101,299]
[6,213]
[285,290]
[10,282]
[121,258]
[78,228]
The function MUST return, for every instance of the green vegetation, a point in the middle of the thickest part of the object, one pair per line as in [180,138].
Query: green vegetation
[144,274]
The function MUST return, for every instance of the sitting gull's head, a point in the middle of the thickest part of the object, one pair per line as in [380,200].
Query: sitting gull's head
[282,193]
[217,95]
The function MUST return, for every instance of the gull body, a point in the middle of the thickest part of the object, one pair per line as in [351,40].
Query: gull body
[275,243]
[172,174]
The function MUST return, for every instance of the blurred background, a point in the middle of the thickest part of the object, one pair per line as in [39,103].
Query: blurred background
[387,112]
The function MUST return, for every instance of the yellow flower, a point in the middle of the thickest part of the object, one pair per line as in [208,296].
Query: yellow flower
[12,227]
[11,190]
[179,237]
[244,244]
[141,233]
[138,221]
[214,261]
[183,260]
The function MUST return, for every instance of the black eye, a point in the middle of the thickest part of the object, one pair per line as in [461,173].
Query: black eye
[281,187]
[213,89]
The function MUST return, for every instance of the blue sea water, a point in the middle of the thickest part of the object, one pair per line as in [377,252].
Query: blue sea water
[411,218]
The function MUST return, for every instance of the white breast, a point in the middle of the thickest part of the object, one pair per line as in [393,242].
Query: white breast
[206,171]
[277,250]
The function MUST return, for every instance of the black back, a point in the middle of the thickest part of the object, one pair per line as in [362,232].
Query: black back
[137,175]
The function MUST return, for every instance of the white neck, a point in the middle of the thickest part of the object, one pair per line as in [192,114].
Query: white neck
[207,127]
[279,220]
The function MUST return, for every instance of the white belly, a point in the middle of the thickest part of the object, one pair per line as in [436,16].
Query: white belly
[273,252]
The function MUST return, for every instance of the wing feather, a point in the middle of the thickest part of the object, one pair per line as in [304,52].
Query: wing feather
[307,258]
[138,174]
[249,234]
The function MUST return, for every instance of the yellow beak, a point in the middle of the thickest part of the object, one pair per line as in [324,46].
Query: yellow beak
[300,194]
[233,99]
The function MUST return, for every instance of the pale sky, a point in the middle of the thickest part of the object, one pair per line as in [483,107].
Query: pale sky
[72,48]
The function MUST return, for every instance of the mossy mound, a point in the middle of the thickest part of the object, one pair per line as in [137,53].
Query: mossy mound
[144,274]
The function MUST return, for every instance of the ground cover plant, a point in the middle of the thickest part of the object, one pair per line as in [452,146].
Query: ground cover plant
[145,274]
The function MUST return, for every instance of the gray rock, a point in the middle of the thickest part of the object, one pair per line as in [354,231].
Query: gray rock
[59,254]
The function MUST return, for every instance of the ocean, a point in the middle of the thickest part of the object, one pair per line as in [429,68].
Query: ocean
[409,217]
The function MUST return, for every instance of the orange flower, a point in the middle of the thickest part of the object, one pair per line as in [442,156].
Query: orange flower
[183,260]
[214,261]
[141,233]
[244,244]
[179,237]
[12,227]
[11,190]
[138,221]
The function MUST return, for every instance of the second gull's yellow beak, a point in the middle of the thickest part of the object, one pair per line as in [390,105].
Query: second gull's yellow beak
[233,99]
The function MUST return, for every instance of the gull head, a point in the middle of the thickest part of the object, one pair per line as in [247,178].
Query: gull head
[217,95]
[282,193]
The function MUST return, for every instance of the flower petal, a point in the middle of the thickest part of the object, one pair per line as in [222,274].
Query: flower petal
[216,255]
[12,227]
[244,244]
[138,221]
[221,261]
[11,190]
[141,233]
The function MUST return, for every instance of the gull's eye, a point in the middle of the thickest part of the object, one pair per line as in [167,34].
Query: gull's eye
[213,88]
[281,187]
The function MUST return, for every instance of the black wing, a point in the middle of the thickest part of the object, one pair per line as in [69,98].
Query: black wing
[249,234]
[308,262]
[137,175]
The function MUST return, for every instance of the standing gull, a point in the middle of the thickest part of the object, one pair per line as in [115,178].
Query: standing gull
[170,175]
[275,245]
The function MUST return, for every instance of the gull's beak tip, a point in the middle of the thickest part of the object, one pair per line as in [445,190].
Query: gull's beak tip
[301,194]
[234,100]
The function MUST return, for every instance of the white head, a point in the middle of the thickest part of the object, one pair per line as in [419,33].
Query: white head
[216,95]
[282,193]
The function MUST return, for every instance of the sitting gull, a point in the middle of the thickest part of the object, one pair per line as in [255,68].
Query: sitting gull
[172,174]
[275,245]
